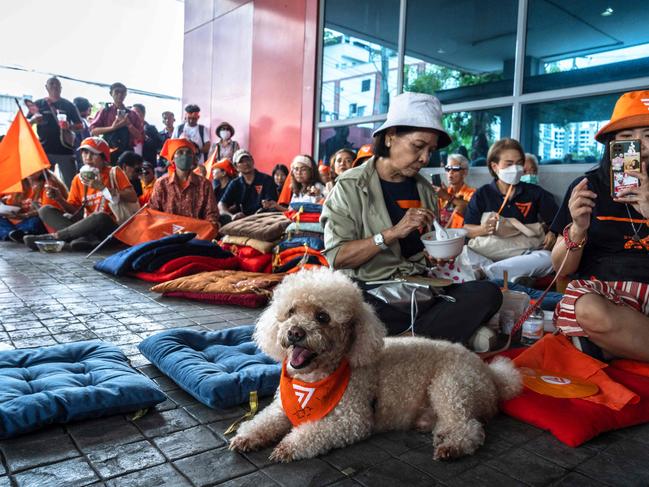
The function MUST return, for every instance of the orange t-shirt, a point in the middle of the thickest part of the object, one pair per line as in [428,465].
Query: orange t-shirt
[465,193]
[147,189]
[95,198]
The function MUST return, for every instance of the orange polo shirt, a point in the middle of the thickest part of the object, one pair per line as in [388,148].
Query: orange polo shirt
[147,189]
[465,192]
[94,198]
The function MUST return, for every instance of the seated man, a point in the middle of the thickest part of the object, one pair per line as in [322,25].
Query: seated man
[181,191]
[147,181]
[454,198]
[90,192]
[131,163]
[244,195]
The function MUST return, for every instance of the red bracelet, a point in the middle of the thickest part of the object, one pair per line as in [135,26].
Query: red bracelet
[570,245]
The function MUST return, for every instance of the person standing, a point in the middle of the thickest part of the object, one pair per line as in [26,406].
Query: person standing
[120,127]
[54,118]
[152,141]
[168,121]
[225,147]
[192,130]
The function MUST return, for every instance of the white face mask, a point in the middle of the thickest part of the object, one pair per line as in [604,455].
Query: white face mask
[225,134]
[511,174]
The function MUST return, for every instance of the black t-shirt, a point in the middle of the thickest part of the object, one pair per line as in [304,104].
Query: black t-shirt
[48,131]
[529,204]
[398,198]
[152,143]
[249,196]
[610,253]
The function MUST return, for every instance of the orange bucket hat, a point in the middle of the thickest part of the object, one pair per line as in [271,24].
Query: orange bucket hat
[226,165]
[631,111]
[172,145]
[363,153]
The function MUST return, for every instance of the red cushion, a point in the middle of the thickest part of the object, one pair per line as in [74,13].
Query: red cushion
[261,263]
[203,264]
[575,421]
[246,300]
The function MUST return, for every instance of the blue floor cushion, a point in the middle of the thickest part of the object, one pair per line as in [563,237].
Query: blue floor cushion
[68,382]
[219,368]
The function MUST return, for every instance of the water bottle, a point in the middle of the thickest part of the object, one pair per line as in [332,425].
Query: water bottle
[532,329]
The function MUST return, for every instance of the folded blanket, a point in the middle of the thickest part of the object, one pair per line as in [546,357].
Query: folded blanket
[296,216]
[120,263]
[298,262]
[304,227]
[314,243]
[289,254]
[260,226]
[191,264]
[225,282]
[306,207]
[154,259]
[261,263]
[260,245]
[241,250]
[246,300]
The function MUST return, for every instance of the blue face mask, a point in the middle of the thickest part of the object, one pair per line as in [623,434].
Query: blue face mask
[530,178]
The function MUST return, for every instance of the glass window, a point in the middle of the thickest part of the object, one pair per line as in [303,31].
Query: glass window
[585,41]
[359,58]
[349,136]
[474,132]
[563,132]
[460,51]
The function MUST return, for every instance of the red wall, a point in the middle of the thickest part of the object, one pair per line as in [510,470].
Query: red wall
[258,72]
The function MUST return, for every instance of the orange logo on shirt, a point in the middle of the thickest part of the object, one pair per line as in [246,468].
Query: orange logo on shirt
[258,188]
[524,208]
[405,204]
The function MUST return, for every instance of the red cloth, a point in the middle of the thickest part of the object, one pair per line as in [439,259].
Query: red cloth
[246,300]
[575,421]
[186,266]
[286,255]
[296,216]
[241,250]
[261,263]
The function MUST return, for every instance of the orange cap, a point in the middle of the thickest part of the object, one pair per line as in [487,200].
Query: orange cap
[172,145]
[363,153]
[324,169]
[226,165]
[96,145]
[631,111]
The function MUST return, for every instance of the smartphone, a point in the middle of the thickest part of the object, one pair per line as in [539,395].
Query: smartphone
[625,157]
[436,179]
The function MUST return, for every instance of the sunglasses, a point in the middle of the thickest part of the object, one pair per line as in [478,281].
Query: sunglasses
[453,168]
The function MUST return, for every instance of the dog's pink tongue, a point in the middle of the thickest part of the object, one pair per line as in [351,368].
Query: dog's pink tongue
[299,355]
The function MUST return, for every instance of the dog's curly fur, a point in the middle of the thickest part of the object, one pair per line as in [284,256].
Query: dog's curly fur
[395,383]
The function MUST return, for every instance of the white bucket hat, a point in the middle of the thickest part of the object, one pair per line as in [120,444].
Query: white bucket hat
[416,110]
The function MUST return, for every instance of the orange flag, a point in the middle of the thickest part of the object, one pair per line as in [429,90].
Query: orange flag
[21,155]
[152,224]
[287,192]
[209,165]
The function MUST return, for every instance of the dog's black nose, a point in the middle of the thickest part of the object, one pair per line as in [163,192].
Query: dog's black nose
[295,334]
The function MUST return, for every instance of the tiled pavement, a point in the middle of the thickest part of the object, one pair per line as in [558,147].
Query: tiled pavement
[50,299]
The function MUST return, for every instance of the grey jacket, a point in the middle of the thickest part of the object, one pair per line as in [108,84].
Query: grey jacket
[355,210]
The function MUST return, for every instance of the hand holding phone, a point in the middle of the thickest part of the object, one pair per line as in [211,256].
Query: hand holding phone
[436,179]
[625,158]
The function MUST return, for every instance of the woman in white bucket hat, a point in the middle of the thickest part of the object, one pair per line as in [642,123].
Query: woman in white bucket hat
[374,217]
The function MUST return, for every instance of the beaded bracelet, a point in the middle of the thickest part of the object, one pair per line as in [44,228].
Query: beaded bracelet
[570,245]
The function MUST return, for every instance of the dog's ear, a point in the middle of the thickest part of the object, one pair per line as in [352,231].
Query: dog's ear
[369,332]
[266,333]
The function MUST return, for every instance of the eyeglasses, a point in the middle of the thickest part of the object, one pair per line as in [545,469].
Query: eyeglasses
[301,169]
[453,168]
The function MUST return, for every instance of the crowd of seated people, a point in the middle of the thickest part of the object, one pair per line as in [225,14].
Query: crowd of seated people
[376,205]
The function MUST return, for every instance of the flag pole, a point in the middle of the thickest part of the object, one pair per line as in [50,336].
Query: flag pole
[103,242]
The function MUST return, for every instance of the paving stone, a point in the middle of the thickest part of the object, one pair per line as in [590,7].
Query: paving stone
[422,459]
[214,466]
[165,383]
[69,474]
[548,447]
[399,442]
[30,333]
[77,336]
[261,458]
[188,442]
[181,398]
[482,475]
[44,341]
[575,479]
[255,479]
[121,459]
[303,472]
[622,463]
[204,414]
[527,467]
[393,472]
[4,481]
[97,434]
[37,449]
[151,371]
[151,477]
[166,422]
[356,457]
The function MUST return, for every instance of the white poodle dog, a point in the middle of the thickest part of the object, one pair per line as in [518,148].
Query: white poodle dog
[316,320]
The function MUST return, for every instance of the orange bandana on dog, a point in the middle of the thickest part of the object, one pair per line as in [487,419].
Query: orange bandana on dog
[311,401]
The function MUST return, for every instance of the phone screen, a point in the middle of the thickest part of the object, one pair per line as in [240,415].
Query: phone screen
[625,157]
[436,179]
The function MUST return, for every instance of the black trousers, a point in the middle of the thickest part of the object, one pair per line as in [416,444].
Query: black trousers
[475,303]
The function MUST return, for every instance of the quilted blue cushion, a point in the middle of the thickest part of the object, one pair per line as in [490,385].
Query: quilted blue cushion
[219,368]
[68,382]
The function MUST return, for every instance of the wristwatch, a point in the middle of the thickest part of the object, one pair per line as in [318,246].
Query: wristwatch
[379,241]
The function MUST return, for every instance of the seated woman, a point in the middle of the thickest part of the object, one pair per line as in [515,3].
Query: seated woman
[340,162]
[605,242]
[223,172]
[33,197]
[374,219]
[454,198]
[507,197]
[305,183]
[88,193]
[280,173]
